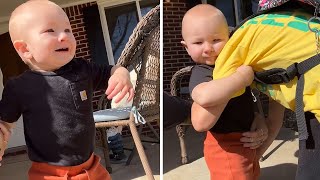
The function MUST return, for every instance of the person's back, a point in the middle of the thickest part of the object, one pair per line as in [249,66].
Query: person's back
[275,40]
[279,39]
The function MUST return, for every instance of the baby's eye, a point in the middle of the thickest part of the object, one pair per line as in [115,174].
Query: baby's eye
[198,42]
[67,30]
[49,30]
[216,40]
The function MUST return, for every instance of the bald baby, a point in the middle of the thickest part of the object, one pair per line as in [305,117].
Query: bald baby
[204,32]
[203,13]
[23,15]
[41,34]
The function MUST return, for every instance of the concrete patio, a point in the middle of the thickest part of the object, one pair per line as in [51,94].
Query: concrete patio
[281,162]
[16,167]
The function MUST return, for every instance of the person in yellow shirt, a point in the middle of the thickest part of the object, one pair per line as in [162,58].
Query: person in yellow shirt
[277,39]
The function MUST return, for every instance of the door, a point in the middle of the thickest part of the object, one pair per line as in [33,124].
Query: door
[11,65]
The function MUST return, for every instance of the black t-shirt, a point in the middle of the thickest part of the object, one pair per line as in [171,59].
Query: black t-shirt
[57,110]
[175,110]
[238,115]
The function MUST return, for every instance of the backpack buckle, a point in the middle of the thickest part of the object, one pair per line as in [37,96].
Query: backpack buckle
[279,77]
[272,76]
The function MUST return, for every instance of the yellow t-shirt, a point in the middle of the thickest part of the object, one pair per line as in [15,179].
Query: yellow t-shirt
[275,40]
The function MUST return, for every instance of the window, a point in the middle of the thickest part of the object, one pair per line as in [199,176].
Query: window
[118,20]
[228,9]
[121,21]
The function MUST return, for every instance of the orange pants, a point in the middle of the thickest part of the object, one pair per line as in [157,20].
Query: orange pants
[89,170]
[227,159]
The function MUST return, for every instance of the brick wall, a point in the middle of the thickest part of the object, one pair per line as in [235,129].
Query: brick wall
[75,15]
[175,56]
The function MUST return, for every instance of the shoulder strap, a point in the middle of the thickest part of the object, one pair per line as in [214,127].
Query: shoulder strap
[248,18]
[279,75]
[302,68]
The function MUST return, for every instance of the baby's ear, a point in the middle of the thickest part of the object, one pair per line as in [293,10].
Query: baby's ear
[184,44]
[22,49]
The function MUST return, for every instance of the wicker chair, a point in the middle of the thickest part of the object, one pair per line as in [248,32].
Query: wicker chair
[141,54]
[177,80]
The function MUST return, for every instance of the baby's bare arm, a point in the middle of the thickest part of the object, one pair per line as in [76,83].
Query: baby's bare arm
[204,118]
[220,91]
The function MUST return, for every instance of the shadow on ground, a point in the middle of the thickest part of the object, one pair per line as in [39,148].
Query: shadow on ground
[284,136]
[171,147]
[135,169]
[280,171]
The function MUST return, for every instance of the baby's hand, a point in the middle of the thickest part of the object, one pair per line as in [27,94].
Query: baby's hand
[246,73]
[119,82]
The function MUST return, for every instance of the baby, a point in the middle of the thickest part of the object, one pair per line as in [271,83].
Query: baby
[205,33]
[55,95]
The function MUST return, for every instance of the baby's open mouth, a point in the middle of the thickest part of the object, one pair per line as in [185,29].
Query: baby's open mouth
[62,49]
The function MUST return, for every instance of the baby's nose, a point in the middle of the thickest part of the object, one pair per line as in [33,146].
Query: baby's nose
[62,36]
[208,48]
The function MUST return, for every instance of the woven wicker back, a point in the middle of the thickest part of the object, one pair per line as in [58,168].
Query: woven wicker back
[142,54]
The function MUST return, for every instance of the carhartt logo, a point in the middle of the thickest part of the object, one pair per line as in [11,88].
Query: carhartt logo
[83,95]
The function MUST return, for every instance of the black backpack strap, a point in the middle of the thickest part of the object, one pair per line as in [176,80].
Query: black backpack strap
[248,18]
[302,68]
[276,75]
[279,75]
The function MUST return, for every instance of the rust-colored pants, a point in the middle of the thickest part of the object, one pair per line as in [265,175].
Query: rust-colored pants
[89,170]
[227,159]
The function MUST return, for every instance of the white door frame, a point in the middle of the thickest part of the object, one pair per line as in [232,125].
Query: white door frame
[104,24]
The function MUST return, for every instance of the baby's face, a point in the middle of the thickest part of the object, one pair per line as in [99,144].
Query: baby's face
[49,39]
[204,39]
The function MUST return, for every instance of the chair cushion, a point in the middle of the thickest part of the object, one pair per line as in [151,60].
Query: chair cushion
[112,114]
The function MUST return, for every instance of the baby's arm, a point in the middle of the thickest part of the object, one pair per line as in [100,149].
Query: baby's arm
[220,91]
[119,82]
[204,118]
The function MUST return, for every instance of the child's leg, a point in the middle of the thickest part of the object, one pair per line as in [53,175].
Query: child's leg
[227,159]
[89,170]
[309,159]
